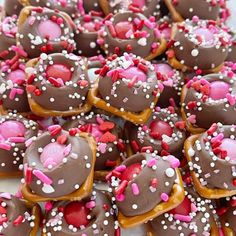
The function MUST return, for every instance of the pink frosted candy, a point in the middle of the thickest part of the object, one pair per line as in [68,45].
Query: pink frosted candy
[174,162]
[131,72]
[218,90]
[182,218]
[102,147]
[16,76]
[12,128]
[50,29]
[164,197]
[206,34]
[151,162]
[229,146]
[54,153]
[120,198]
[162,68]
[90,204]
[135,189]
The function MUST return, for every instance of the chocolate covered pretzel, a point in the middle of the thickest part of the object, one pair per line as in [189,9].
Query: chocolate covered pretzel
[8,30]
[91,216]
[144,187]
[68,6]
[14,133]
[49,161]
[146,7]
[227,214]
[186,9]
[211,159]
[193,40]
[57,85]
[133,33]
[86,33]
[108,136]
[41,30]
[12,82]
[127,87]
[209,99]
[194,216]
[18,217]
[163,133]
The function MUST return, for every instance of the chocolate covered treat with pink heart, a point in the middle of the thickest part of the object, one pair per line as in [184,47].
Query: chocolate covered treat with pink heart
[15,131]
[12,82]
[164,133]
[17,217]
[194,39]
[131,32]
[41,30]
[107,134]
[51,159]
[213,157]
[128,83]
[194,216]
[8,30]
[86,33]
[58,83]
[142,182]
[93,215]
[209,99]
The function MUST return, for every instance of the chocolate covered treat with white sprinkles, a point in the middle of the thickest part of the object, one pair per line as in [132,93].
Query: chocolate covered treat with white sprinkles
[57,85]
[212,161]
[41,30]
[91,216]
[14,133]
[49,161]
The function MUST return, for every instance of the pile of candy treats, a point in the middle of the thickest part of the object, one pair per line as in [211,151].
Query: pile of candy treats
[139,95]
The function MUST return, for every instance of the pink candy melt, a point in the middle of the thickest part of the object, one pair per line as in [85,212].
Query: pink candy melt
[227,145]
[205,34]
[52,154]
[161,127]
[163,68]
[218,90]
[59,71]
[122,28]
[16,76]
[49,29]
[9,129]
[131,72]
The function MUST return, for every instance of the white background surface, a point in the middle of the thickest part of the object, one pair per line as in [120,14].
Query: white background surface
[11,185]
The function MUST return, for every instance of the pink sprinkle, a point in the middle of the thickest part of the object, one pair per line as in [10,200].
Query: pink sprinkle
[53,127]
[230,99]
[151,162]
[41,176]
[144,128]
[193,207]
[31,20]
[120,168]
[174,162]
[192,119]
[164,197]
[67,150]
[100,41]
[90,204]
[157,33]
[48,206]
[102,147]
[219,137]
[99,120]
[182,218]
[28,142]
[19,50]
[80,7]
[5,195]
[137,21]
[16,139]
[12,94]
[128,34]
[149,24]
[135,189]
[120,198]
[195,19]
[5,146]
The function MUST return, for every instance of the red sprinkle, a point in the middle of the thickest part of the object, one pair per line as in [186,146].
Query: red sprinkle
[18,220]
[62,139]
[121,188]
